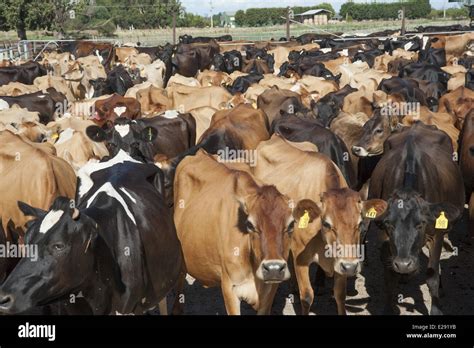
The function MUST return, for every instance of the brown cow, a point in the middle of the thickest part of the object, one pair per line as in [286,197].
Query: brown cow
[275,100]
[334,213]
[234,232]
[466,162]
[458,103]
[116,106]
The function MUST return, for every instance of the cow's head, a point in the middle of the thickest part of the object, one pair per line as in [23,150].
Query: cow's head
[64,240]
[265,215]
[406,221]
[375,131]
[125,135]
[343,214]
[100,86]
[327,108]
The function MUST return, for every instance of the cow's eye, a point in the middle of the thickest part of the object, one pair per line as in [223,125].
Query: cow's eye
[291,227]
[379,131]
[58,246]
[326,224]
[250,227]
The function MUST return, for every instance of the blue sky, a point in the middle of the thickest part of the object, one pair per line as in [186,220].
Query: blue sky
[202,7]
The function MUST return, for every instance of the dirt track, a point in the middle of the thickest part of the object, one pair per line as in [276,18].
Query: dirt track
[367,297]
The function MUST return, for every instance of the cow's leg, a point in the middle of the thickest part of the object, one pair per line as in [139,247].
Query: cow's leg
[320,280]
[433,276]
[178,305]
[340,284]
[304,286]
[390,279]
[231,301]
[266,300]
[163,306]
[471,215]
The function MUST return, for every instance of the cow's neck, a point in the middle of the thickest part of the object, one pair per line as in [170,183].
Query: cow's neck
[97,291]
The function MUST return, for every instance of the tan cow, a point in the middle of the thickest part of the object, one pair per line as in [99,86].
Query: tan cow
[56,82]
[214,78]
[31,173]
[458,104]
[17,88]
[328,215]
[234,232]
[122,53]
[185,98]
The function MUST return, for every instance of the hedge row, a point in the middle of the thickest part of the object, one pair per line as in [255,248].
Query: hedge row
[413,9]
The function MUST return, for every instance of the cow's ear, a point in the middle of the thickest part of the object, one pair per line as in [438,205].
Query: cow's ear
[95,133]
[28,210]
[443,215]
[149,134]
[374,208]
[306,209]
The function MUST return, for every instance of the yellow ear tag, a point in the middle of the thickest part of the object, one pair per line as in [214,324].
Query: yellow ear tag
[54,136]
[254,104]
[441,222]
[304,220]
[371,214]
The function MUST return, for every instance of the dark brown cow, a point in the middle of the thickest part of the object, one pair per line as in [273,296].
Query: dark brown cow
[466,162]
[425,194]
[116,106]
[24,73]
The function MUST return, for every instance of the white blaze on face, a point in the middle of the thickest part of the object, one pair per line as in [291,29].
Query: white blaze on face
[171,114]
[123,130]
[408,46]
[119,110]
[65,136]
[50,220]
[326,50]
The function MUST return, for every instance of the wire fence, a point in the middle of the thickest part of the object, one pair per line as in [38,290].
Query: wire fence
[30,49]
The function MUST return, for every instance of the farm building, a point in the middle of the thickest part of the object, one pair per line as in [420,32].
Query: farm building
[227,19]
[316,17]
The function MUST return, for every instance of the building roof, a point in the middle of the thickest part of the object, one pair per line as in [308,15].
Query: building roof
[313,12]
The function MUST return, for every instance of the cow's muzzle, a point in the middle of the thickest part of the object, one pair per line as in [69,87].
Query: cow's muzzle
[273,271]
[404,265]
[348,268]
[359,151]
[6,303]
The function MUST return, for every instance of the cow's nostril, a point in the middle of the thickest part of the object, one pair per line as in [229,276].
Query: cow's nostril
[6,301]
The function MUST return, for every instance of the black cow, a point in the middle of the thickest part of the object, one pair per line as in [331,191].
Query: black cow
[189,58]
[425,194]
[329,106]
[368,56]
[424,71]
[25,73]
[118,246]
[470,79]
[118,81]
[242,83]
[228,62]
[46,104]
[188,39]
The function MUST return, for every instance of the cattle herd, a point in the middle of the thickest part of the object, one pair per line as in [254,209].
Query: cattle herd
[127,169]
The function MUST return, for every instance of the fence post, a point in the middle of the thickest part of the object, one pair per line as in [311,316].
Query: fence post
[288,23]
[403,30]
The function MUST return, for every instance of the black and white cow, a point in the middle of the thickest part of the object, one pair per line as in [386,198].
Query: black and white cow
[118,246]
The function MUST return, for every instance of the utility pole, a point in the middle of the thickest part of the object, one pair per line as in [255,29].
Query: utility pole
[403,31]
[212,14]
